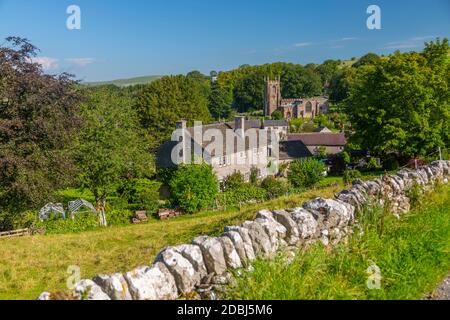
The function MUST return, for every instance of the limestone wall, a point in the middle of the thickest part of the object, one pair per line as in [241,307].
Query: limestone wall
[202,265]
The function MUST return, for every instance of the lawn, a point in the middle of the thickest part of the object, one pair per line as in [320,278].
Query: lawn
[412,254]
[31,265]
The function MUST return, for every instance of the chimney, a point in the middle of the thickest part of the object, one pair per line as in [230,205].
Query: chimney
[182,125]
[239,125]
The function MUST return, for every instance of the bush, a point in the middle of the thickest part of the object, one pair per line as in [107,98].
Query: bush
[245,194]
[275,187]
[277,115]
[13,221]
[254,174]
[193,187]
[390,163]
[373,164]
[306,173]
[143,193]
[118,217]
[81,222]
[233,181]
[350,175]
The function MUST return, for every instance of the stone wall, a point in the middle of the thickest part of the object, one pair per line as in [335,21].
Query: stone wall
[199,268]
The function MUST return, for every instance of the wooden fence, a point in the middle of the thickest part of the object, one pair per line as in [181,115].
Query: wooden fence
[15,233]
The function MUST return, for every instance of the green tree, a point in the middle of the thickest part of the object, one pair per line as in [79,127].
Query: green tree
[327,70]
[402,104]
[277,115]
[300,82]
[368,59]
[38,120]
[193,187]
[305,173]
[111,146]
[220,102]
[165,101]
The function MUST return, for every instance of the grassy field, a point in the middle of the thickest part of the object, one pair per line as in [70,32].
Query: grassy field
[31,265]
[413,255]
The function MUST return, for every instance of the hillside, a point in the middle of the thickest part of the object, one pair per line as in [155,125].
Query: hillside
[126,82]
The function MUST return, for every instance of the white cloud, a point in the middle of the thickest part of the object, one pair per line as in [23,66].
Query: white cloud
[302,44]
[348,39]
[47,63]
[411,43]
[81,62]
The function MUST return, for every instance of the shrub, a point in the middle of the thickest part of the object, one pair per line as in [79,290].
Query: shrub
[143,193]
[350,175]
[373,164]
[81,222]
[277,115]
[254,174]
[275,187]
[193,187]
[390,163]
[245,194]
[118,217]
[306,173]
[233,181]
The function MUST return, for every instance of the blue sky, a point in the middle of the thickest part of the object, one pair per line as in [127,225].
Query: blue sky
[121,39]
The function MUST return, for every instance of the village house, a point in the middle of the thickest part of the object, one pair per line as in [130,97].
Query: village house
[331,143]
[259,151]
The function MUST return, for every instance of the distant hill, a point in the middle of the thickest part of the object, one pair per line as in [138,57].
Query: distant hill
[126,82]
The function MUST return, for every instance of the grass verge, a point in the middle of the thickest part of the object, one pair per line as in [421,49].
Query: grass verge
[412,254]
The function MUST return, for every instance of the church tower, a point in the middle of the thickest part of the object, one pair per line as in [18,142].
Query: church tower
[272,95]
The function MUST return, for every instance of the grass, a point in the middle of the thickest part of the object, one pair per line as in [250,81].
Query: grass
[31,265]
[413,255]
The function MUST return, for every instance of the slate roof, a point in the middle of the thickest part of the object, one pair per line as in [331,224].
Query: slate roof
[320,139]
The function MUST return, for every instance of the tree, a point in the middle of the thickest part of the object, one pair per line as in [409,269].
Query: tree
[38,120]
[327,70]
[305,173]
[165,101]
[193,187]
[368,59]
[401,104]
[277,115]
[111,146]
[300,82]
[249,93]
[220,102]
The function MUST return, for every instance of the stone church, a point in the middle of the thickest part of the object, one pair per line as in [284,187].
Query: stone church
[291,108]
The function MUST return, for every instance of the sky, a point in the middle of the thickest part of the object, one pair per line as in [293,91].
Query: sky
[129,38]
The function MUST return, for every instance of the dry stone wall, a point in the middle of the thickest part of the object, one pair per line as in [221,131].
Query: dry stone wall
[201,267]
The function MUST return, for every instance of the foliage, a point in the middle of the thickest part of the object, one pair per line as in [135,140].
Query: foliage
[165,101]
[119,217]
[246,193]
[402,104]
[111,147]
[143,193]
[233,181]
[193,187]
[390,162]
[413,248]
[254,175]
[275,187]
[368,59]
[81,222]
[277,115]
[373,164]
[350,175]
[220,102]
[38,120]
[306,173]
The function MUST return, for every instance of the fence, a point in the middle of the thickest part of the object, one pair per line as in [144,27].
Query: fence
[15,233]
